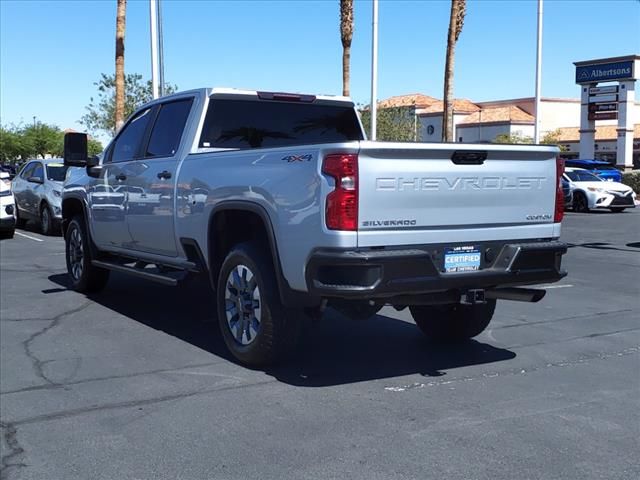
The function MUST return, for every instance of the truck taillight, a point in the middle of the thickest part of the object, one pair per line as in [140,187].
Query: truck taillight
[342,203]
[559,213]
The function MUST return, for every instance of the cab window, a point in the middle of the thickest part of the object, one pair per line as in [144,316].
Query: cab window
[128,142]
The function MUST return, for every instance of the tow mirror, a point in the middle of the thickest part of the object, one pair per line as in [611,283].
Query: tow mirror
[75,149]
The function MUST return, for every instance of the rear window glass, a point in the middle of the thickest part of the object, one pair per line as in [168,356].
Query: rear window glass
[247,124]
[167,131]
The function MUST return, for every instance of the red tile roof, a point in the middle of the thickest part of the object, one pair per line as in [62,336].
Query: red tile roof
[510,114]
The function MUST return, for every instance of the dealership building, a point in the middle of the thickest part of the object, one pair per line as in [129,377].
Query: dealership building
[597,125]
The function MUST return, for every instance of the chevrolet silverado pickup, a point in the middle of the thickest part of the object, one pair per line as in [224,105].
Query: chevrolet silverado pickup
[281,202]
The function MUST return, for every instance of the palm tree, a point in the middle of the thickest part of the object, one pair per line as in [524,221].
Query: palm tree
[120,24]
[456,20]
[346,34]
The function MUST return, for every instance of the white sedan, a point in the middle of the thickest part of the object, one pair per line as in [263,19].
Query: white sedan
[7,208]
[590,191]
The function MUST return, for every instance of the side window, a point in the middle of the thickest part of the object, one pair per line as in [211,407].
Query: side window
[168,128]
[28,170]
[39,171]
[126,146]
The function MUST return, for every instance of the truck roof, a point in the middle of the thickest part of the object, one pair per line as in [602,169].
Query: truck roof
[238,92]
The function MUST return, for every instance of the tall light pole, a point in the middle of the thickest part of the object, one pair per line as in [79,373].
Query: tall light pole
[536,129]
[374,71]
[160,50]
[153,17]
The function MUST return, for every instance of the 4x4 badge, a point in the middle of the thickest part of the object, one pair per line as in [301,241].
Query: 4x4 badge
[298,158]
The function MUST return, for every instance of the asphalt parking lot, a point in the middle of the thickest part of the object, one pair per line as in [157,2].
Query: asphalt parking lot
[135,383]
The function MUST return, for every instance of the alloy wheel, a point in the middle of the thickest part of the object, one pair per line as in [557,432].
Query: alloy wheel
[76,253]
[242,305]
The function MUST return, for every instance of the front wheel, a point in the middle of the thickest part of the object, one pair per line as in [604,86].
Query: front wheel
[453,322]
[85,277]
[46,220]
[257,329]
[580,202]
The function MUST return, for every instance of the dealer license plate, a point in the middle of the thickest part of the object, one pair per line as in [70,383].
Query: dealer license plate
[462,259]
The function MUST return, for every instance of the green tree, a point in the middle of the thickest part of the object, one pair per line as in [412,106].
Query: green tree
[44,139]
[13,145]
[397,124]
[100,116]
[94,147]
[553,138]
[506,138]
[456,20]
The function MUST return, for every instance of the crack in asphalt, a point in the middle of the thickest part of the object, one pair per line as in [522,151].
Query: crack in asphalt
[514,371]
[571,339]
[35,361]
[11,460]
[132,403]
[109,377]
[562,319]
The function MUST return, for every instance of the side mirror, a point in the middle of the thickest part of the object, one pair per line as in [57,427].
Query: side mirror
[35,180]
[75,149]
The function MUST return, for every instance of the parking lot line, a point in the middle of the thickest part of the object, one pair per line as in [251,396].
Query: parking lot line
[29,236]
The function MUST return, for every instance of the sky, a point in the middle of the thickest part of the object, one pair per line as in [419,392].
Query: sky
[52,52]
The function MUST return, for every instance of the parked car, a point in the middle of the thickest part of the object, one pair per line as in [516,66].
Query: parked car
[591,191]
[567,194]
[5,178]
[7,211]
[604,170]
[10,169]
[37,190]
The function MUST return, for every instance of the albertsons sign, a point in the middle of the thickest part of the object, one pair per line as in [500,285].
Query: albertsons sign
[604,72]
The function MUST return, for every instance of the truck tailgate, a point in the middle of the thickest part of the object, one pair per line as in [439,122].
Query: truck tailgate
[419,188]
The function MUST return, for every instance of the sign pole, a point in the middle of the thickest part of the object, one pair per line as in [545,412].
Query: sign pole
[536,134]
[374,71]
[154,47]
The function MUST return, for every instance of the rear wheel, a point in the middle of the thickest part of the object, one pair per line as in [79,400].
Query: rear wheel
[257,329]
[85,277]
[7,234]
[617,209]
[454,322]
[46,220]
[580,203]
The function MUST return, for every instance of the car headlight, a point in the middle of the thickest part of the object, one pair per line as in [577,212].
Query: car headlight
[594,189]
[57,193]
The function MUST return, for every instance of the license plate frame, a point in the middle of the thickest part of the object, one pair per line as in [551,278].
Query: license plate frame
[463,258]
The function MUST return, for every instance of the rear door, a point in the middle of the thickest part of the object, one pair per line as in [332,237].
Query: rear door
[438,192]
[151,181]
[20,188]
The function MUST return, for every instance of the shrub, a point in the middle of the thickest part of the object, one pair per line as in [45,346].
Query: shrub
[632,179]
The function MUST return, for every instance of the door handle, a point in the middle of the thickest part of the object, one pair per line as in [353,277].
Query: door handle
[166,174]
[121,177]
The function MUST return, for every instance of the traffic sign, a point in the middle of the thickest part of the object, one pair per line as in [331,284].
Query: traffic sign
[603,98]
[603,115]
[603,107]
[601,90]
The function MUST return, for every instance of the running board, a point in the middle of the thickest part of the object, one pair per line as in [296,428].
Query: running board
[516,294]
[138,272]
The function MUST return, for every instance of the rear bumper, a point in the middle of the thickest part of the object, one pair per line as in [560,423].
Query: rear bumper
[388,273]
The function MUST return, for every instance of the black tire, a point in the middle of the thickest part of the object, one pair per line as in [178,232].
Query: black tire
[46,220]
[20,222]
[617,209]
[580,203]
[85,277]
[454,322]
[277,331]
[6,235]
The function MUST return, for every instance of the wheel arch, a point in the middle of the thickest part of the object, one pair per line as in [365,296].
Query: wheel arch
[245,221]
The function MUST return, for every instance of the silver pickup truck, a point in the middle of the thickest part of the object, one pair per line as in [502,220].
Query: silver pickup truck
[284,205]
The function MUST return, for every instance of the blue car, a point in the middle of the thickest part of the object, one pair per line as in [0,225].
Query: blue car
[604,170]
